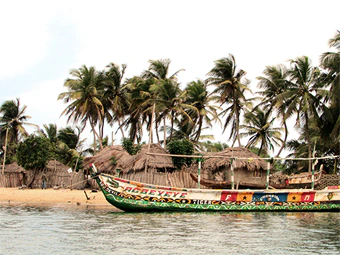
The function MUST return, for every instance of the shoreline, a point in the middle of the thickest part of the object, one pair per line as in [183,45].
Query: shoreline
[53,197]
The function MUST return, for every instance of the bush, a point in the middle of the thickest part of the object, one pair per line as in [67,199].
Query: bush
[130,147]
[34,152]
[181,147]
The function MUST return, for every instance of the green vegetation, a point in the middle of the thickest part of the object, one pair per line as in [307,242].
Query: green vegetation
[34,152]
[181,147]
[131,148]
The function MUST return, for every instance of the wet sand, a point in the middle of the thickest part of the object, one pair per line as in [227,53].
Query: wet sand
[16,196]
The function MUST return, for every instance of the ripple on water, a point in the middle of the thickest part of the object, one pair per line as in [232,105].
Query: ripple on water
[75,230]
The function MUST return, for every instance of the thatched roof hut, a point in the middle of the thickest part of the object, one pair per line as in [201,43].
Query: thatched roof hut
[13,168]
[56,165]
[13,176]
[142,167]
[103,159]
[245,159]
[143,161]
[126,162]
[249,169]
[56,172]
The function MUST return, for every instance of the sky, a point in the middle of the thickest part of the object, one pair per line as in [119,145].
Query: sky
[41,41]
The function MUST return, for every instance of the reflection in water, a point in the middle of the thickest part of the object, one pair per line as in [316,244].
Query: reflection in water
[58,230]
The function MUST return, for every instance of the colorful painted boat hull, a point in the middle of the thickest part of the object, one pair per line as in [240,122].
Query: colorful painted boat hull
[134,196]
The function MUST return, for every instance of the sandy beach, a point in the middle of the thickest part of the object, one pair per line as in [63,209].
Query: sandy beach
[16,196]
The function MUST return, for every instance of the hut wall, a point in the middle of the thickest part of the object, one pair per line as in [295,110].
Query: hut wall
[241,175]
[63,179]
[11,180]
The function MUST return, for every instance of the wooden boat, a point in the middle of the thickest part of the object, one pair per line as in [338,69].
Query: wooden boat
[303,180]
[226,184]
[133,196]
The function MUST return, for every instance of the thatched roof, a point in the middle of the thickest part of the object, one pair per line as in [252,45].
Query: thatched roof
[138,162]
[103,159]
[253,161]
[56,165]
[127,162]
[51,165]
[13,168]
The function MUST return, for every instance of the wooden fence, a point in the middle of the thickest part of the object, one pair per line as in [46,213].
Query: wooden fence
[59,178]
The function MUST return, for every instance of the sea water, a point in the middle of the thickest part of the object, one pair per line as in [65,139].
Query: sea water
[92,230]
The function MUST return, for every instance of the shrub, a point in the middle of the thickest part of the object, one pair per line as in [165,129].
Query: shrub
[181,147]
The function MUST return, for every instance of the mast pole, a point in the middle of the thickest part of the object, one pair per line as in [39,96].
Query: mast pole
[268,172]
[199,173]
[150,137]
[5,152]
[232,173]
[313,168]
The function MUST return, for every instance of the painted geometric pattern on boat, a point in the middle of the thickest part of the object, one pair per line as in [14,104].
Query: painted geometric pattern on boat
[243,206]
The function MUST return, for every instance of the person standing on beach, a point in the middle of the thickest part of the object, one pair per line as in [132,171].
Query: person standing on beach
[43,181]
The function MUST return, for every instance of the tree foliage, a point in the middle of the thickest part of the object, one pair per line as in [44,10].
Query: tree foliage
[181,147]
[34,152]
[131,148]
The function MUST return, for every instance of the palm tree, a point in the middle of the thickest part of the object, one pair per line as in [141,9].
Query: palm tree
[330,129]
[169,103]
[50,132]
[259,126]
[69,146]
[273,83]
[230,90]
[198,96]
[115,97]
[84,98]
[66,143]
[12,122]
[301,98]
[330,61]
[158,72]
[140,105]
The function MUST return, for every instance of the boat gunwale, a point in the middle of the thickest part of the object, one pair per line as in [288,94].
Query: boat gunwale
[146,185]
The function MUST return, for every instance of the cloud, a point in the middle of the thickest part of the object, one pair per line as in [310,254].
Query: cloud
[42,105]
[43,40]
[23,37]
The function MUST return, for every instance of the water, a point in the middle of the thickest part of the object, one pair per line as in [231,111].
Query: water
[81,230]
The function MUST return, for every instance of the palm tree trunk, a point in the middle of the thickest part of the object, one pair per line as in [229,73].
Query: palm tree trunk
[95,134]
[164,132]
[100,138]
[157,134]
[121,128]
[172,125]
[285,139]
[260,150]
[238,128]
[308,142]
[199,130]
